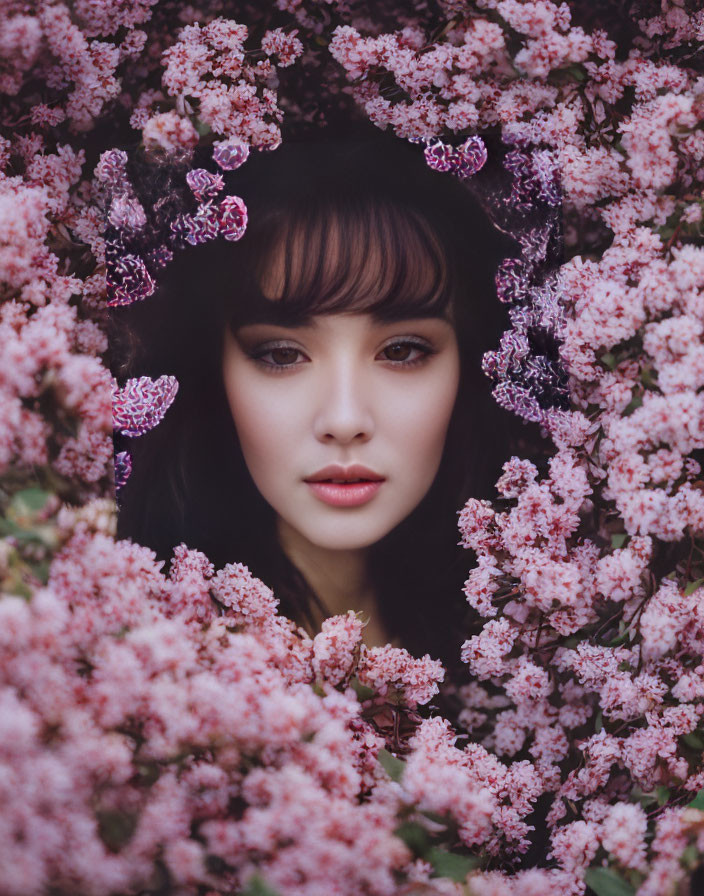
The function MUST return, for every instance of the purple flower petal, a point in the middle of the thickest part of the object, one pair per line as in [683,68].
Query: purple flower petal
[233,218]
[520,401]
[123,468]
[463,160]
[128,280]
[180,228]
[203,184]
[111,169]
[160,256]
[512,280]
[126,212]
[141,403]
[470,157]
[230,154]
[439,155]
[204,225]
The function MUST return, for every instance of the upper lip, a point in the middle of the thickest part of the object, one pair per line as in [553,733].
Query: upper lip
[336,471]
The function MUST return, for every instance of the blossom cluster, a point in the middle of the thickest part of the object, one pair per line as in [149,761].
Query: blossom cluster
[55,409]
[459,82]
[139,710]
[234,95]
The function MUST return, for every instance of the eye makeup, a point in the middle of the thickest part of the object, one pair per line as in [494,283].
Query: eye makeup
[280,355]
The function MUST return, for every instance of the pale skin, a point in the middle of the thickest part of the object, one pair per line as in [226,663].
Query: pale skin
[343,389]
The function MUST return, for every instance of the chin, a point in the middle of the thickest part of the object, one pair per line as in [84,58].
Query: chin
[346,541]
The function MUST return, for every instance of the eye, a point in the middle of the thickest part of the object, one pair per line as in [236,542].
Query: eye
[278,357]
[406,352]
[284,356]
[398,352]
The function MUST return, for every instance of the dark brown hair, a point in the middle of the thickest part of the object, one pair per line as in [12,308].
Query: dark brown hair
[410,242]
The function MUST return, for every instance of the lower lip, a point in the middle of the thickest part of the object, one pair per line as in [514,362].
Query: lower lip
[345,494]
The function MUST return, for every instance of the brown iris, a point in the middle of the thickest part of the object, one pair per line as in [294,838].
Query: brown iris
[284,355]
[399,351]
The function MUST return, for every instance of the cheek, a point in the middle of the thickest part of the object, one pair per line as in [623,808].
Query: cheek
[266,424]
[419,417]
[247,408]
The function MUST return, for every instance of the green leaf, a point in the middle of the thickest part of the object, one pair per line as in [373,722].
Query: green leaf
[605,882]
[7,527]
[634,403]
[698,801]
[690,857]
[662,794]
[576,71]
[392,766]
[257,886]
[598,722]
[20,589]
[29,500]
[449,864]
[435,817]
[694,740]
[25,536]
[361,690]
[645,798]
[649,377]
[608,360]
[618,540]
[41,571]
[691,587]
[415,836]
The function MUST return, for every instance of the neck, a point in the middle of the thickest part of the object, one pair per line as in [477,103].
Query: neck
[340,578]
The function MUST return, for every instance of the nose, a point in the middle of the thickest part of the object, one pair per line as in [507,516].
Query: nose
[344,411]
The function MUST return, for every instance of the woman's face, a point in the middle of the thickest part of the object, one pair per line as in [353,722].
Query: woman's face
[342,422]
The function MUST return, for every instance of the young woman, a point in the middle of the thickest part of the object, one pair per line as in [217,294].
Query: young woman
[332,416]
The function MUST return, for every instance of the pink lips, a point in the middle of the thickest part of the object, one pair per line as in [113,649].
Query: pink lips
[348,494]
[345,486]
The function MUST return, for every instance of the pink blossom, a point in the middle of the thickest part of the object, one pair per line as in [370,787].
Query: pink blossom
[248,600]
[623,834]
[485,652]
[169,132]
[284,45]
[336,647]
[386,669]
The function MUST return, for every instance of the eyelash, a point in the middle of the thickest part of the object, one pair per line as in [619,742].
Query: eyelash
[258,354]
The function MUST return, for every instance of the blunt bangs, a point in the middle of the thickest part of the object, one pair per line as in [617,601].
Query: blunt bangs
[373,257]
